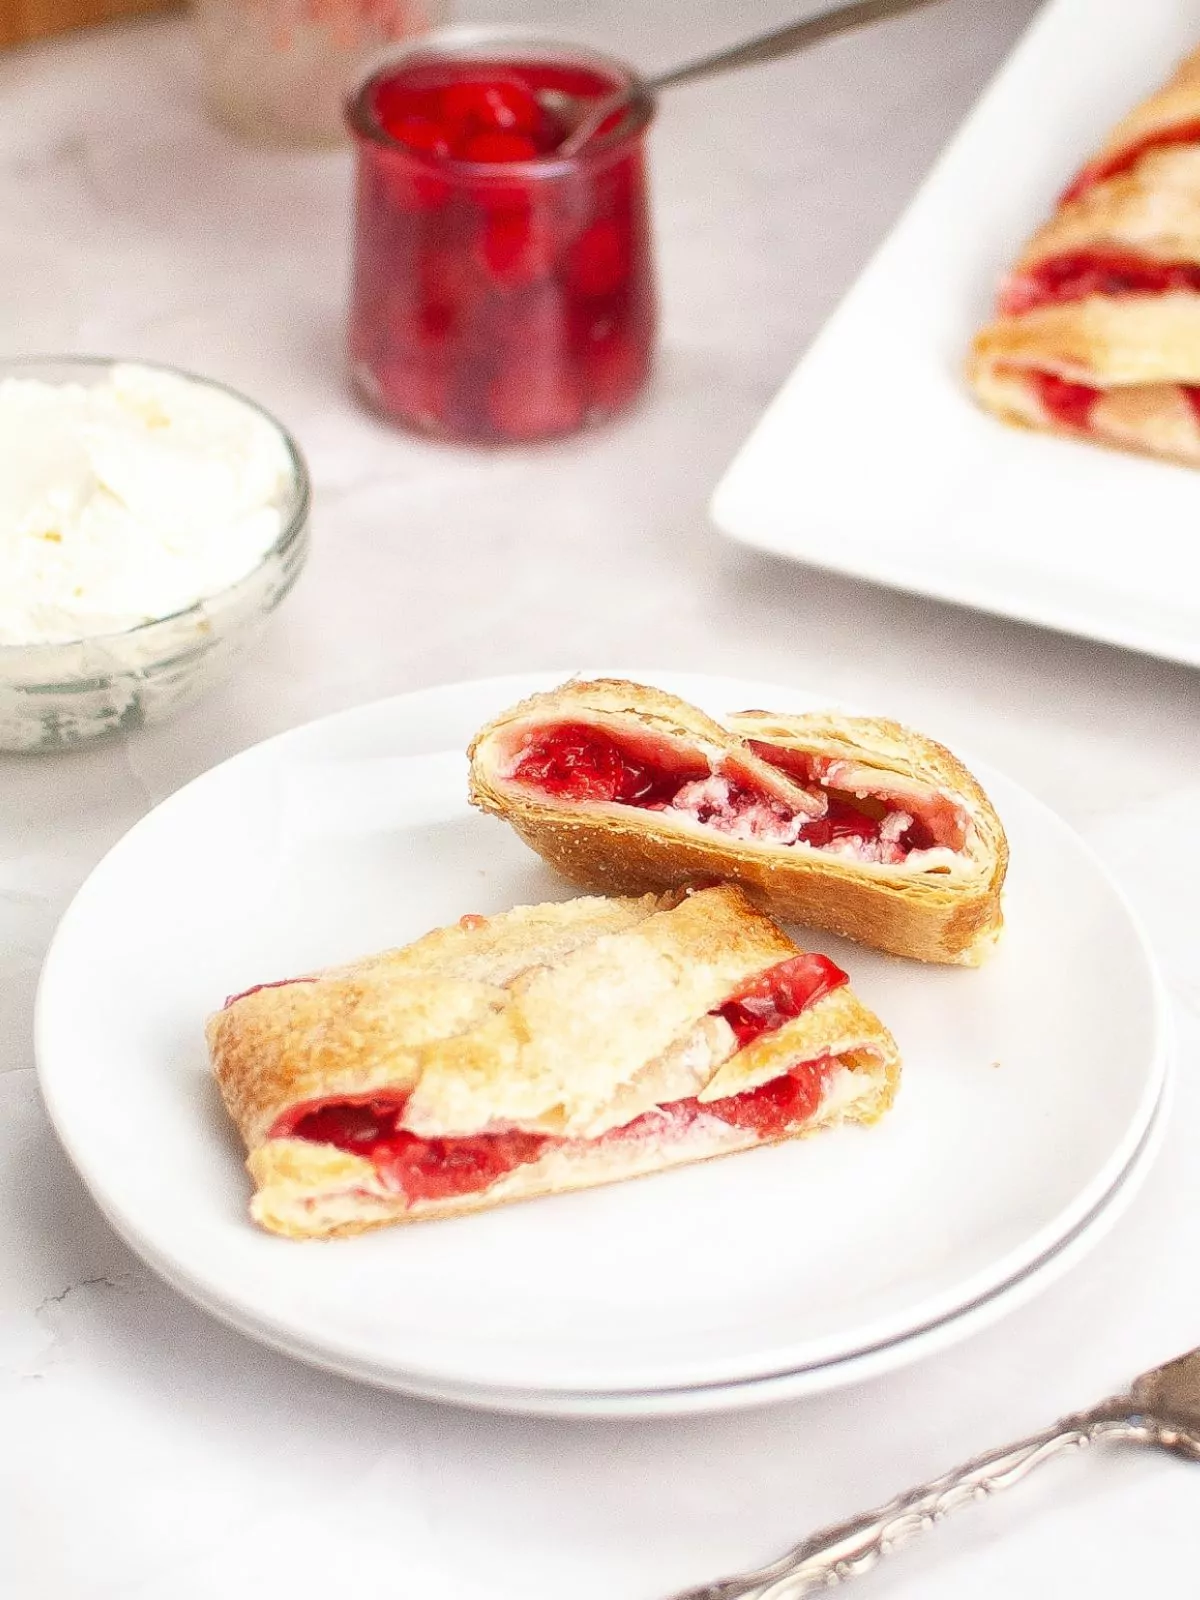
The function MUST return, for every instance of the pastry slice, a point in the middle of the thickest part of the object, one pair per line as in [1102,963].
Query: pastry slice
[547,1049]
[848,824]
[1097,332]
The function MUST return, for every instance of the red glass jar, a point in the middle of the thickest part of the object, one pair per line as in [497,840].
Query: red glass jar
[502,293]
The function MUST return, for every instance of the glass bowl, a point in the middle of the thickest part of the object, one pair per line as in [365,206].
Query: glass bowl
[57,696]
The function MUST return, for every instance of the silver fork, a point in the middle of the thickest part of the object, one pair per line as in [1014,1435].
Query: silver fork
[1161,1409]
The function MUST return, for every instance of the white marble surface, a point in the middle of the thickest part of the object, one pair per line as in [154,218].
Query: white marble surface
[145,1451]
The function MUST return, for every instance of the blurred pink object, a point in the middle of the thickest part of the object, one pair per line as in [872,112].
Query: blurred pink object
[280,71]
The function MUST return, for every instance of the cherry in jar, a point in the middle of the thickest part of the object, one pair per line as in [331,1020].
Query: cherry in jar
[502,293]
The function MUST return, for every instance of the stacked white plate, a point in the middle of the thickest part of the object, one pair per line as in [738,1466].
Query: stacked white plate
[1030,1107]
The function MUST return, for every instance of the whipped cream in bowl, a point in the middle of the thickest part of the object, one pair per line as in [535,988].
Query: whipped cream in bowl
[150,521]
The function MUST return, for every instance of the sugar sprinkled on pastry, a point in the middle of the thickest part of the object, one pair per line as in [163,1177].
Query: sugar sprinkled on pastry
[547,1049]
[852,825]
[1097,333]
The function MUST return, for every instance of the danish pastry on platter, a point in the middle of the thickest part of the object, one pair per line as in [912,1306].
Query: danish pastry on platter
[1097,332]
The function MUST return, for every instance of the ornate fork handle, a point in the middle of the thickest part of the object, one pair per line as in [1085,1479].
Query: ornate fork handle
[848,1548]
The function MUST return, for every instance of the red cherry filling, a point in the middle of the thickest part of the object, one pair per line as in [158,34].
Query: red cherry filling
[517,246]
[1128,156]
[583,763]
[529,399]
[1069,404]
[1074,276]
[774,1107]
[485,119]
[419,133]
[357,1125]
[499,146]
[599,259]
[575,761]
[845,821]
[937,820]
[439,1169]
[778,995]
[615,367]
[546,323]
[503,105]
[421,1169]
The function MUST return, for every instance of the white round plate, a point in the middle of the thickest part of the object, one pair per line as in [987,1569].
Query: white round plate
[1028,1087]
[781,1386]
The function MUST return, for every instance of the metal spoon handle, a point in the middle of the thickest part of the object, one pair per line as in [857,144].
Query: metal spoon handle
[835,1554]
[783,41]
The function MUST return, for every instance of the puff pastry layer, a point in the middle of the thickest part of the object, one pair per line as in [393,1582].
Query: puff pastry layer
[551,1048]
[853,825]
[1097,333]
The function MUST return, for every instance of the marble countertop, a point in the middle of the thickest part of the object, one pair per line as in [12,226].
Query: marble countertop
[145,1450]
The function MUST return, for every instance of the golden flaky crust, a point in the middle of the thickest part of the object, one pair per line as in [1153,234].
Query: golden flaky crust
[1142,350]
[1175,105]
[571,1036]
[361,1027]
[947,913]
[1150,210]
[1103,342]
[929,916]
